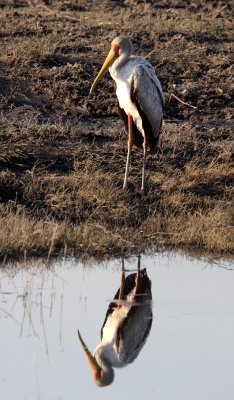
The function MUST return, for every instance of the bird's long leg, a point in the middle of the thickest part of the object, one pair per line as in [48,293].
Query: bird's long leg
[130,144]
[122,282]
[145,146]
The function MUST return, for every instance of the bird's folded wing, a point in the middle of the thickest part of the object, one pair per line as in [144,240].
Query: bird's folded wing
[132,334]
[146,91]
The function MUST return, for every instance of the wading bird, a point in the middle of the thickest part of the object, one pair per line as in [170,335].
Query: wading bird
[125,329]
[139,93]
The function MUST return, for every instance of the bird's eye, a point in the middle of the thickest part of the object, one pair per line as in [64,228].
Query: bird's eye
[97,376]
[115,47]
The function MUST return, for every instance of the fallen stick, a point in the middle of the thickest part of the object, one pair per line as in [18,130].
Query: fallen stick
[58,14]
[181,101]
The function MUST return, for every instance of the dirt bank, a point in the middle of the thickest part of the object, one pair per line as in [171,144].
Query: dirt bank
[63,153]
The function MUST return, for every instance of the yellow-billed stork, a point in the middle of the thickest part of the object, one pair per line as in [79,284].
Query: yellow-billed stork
[139,93]
[125,329]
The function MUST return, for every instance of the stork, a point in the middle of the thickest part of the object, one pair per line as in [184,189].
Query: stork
[139,93]
[125,329]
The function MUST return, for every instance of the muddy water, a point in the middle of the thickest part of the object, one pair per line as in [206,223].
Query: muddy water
[189,353]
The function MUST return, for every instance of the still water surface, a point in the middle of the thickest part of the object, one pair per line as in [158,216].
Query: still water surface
[189,353]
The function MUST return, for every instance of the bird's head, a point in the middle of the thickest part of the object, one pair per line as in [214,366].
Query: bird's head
[120,45]
[101,376]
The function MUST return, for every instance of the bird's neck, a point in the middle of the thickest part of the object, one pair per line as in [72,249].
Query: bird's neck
[101,356]
[105,364]
[121,61]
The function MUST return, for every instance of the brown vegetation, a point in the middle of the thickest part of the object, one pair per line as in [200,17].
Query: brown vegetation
[63,153]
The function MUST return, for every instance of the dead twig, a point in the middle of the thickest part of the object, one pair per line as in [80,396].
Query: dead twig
[181,101]
[57,13]
[52,243]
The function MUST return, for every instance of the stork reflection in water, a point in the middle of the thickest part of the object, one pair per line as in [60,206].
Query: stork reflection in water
[139,93]
[125,329]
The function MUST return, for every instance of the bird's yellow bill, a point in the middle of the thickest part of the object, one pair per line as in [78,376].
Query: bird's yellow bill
[110,59]
[95,368]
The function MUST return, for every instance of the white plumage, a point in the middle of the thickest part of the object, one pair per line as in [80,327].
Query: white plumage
[137,75]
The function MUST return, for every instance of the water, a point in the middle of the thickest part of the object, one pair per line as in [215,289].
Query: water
[189,353]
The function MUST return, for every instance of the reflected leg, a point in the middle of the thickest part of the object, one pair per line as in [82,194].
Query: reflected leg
[138,275]
[122,282]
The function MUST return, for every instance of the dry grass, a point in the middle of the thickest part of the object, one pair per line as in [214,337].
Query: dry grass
[63,154]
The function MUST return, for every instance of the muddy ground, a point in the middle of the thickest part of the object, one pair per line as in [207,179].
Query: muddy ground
[63,152]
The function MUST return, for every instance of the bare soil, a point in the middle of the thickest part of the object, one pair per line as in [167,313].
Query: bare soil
[63,152]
